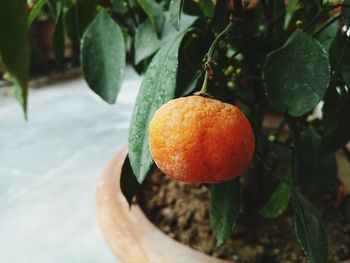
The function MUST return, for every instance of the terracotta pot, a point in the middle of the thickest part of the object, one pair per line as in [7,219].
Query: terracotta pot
[42,37]
[132,237]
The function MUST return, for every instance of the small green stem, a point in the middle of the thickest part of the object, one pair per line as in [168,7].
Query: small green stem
[210,53]
[213,46]
[205,83]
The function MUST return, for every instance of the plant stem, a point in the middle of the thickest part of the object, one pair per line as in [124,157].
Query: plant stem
[209,56]
[205,83]
[213,46]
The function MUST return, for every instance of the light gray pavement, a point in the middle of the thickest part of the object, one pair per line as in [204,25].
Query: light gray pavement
[49,168]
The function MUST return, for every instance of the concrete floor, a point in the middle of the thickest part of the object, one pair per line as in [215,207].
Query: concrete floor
[49,168]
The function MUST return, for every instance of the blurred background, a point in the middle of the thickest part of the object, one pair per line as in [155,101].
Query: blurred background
[50,164]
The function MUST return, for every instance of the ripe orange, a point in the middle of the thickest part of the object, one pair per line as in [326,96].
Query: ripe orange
[201,140]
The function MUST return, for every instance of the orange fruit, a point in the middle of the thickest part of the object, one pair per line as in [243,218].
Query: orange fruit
[201,140]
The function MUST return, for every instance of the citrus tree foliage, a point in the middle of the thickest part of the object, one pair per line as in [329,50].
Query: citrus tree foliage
[267,57]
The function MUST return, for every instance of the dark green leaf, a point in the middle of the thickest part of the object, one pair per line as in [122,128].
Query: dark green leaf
[296,76]
[154,13]
[192,85]
[145,34]
[277,202]
[120,7]
[309,230]
[193,49]
[158,86]
[128,182]
[221,16]
[311,8]
[337,126]
[14,45]
[346,11]
[224,208]
[35,11]
[103,56]
[192,8]
[78,17]
[55,7]
[175,12]
[327,36]
[344,59]
[58,40]
[207,7]
[292,4]
[281,151]
[316,171]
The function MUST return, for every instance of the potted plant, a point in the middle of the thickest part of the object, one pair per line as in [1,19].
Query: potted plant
[283,64]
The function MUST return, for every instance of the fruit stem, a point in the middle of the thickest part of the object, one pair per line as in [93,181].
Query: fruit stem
[212,48]
[205,82]
[209,57]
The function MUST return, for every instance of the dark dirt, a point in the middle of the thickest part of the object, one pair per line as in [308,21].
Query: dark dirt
[182,211]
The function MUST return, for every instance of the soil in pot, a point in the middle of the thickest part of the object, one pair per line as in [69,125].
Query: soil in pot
[181,211]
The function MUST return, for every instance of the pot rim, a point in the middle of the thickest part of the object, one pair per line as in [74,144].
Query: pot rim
[130,234]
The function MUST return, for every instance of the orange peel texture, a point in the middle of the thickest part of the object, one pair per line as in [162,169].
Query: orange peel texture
[201,140]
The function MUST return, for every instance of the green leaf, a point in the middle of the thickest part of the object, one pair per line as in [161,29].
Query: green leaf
[344,58]
[193,48]
[224,208]
[158,86]
[327,36]
[346,11]
[281,151]
[14,46]
[35,11]
[207,7]
[78,17]
[120,7]
[192,85]
[128,182]
[337,126]
[58,39]
[277,202]
[146,34]
[316,171]
[221,16]
[154,13]
[103,56]
[292,4]
[175,9]
[309,230]
[296,76]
